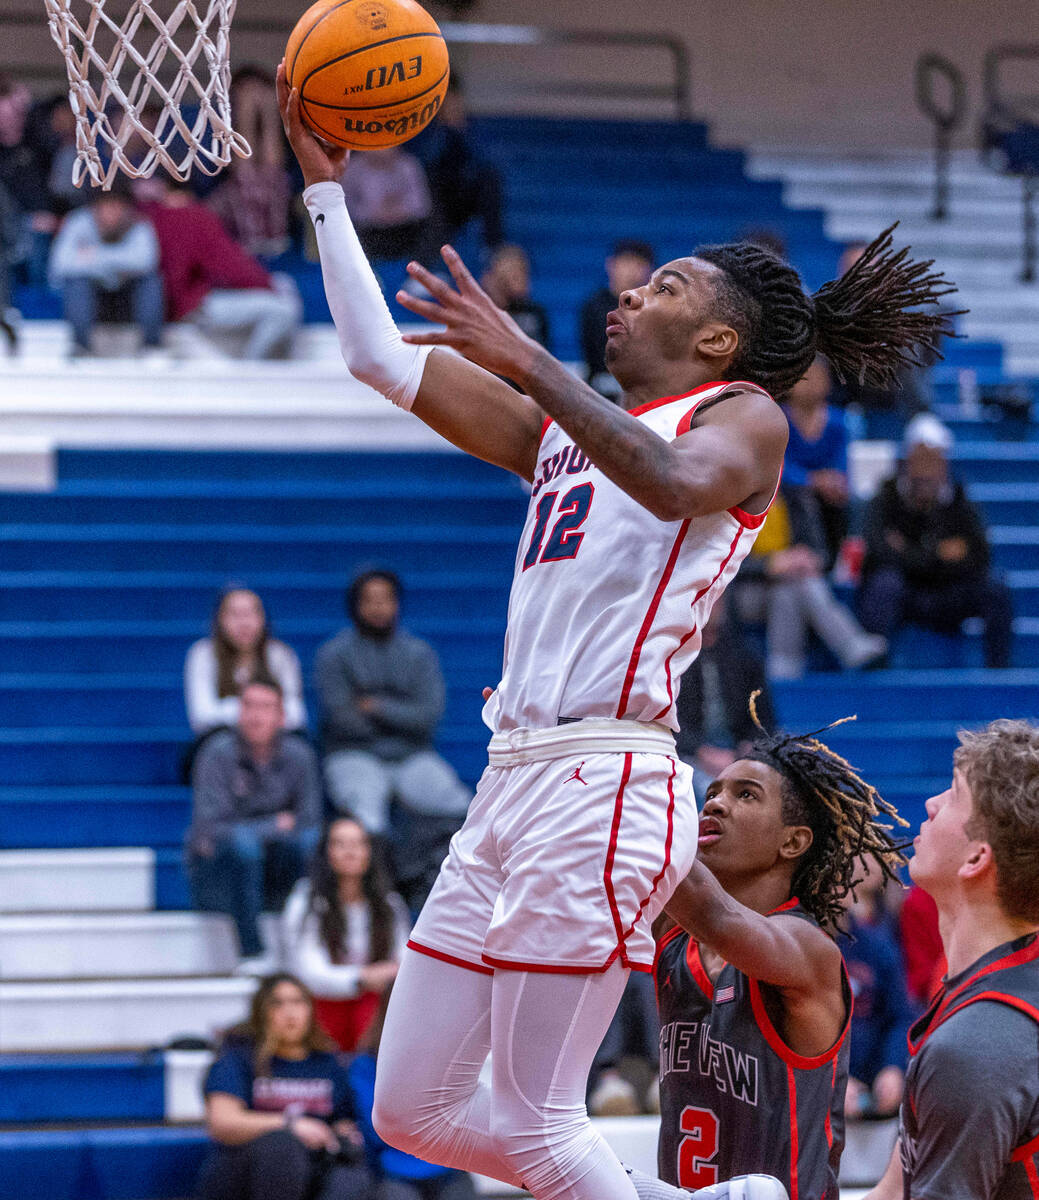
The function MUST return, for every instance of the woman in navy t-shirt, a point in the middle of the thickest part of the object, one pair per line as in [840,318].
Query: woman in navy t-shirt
[280,1108]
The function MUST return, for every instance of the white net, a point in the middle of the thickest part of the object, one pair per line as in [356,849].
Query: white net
[148,90]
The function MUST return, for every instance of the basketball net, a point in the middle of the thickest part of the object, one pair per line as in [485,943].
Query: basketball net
[127,119]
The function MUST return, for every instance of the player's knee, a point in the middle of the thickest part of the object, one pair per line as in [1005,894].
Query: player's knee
[392,1120]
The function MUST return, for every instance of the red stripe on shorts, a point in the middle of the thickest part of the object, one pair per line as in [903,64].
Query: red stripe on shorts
[611,853]
[449,958]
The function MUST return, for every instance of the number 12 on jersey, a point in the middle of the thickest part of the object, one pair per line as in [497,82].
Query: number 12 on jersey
[564,541]
[697,1148]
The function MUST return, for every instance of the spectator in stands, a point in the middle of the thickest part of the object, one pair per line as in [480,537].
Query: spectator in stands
[211,281]
[256,818]
[25,159]
[345,932]
[927,556]
[817,453]
[882,1013]
[399,1176]
[239,648]
[382,696]
[254,196]
[628,266]
[388,197]
[782,583]
[105,262]
[280,1108]
[507,282]
[9,231]
[921,941]
[886,407]
[715,725]
[463,184]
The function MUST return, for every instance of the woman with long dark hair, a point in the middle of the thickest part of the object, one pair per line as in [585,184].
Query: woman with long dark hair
[239,649]
[346,930]
[280,1108]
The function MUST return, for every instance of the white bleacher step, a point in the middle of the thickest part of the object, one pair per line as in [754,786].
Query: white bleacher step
[115,880]
[123,1014]
[121,945]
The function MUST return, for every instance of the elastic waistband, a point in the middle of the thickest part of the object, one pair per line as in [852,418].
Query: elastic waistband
[592,735]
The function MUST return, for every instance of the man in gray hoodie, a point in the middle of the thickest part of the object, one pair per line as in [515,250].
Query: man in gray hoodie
[382,696]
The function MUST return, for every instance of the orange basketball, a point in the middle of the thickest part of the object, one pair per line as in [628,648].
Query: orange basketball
[370,73]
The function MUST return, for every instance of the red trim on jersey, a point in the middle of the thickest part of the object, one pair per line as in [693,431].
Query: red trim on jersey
[669,937]
[611,853]
[448,958]
[644,408]
[544,429]
[668,838]
[756,520]
[651,612]
[702,592]
[696,969]
[1033,1176]
[998,997]
[945,1002]
[791,1087]
[792,1059]
[827,1124]
[1027,1150]
[786,906]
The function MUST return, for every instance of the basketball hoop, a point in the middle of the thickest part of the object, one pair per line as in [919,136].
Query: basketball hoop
[133,89]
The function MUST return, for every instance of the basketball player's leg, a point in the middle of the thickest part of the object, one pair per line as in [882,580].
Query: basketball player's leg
[530,1128]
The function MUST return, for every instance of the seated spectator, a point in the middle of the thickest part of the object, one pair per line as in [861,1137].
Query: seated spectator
[882,1013]
[628,266]
[463,184]
[715,725]
[105,262]
[239,648]
[254,196]
[211,281]
[382,696]
[388,198]
[9,236]
[280,1108]
[399,1176]
[26,151]
[927,556]
[507,282]
[782,583]
[255,820]
[817,453]
[921,940]
[345,932]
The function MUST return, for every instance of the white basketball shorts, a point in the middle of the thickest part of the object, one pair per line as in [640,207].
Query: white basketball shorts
[569,852]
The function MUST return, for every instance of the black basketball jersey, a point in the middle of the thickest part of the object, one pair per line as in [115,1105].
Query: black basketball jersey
[734,1098]
[991,1148]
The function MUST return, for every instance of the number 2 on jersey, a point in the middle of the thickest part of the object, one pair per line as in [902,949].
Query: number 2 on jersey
[697,1148]
[564,540]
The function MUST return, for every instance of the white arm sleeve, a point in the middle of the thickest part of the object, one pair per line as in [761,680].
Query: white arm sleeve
[372,346]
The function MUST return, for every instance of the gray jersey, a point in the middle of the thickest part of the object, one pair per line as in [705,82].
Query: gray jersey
[970,1118]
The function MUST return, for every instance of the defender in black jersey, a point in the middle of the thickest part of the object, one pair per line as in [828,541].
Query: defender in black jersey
[754,999]
[970,1117]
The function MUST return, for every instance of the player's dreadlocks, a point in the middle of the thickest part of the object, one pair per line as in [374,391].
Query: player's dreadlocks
[824,792]
[868,323]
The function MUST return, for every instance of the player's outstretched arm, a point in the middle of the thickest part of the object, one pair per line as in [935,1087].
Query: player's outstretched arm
[460,400]
[733,454]
[786,952]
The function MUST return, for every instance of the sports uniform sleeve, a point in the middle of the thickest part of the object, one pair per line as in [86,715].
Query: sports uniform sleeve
[372,347]
[974,1096]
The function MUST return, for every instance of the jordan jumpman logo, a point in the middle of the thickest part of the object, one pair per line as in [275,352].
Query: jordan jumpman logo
[577,775]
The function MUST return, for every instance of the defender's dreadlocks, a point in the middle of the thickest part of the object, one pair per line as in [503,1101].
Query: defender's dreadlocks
[823,791]
[868,323]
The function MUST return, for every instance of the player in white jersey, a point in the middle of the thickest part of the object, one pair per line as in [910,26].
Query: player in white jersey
[640,514]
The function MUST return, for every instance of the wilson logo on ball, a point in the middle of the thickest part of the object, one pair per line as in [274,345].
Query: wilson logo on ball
[397,126]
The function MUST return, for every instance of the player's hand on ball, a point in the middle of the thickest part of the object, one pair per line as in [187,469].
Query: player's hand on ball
[476,327]
[319,162]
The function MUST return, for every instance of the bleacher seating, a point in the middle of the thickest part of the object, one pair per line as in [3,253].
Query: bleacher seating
[106,580]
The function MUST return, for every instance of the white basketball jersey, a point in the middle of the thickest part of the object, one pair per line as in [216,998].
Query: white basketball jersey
[607,601]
